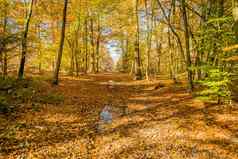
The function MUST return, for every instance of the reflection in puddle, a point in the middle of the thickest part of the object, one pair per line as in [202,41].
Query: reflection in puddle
[109,115]
[105,118]
[106,115]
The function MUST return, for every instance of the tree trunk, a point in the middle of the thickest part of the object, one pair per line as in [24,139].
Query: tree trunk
[171,50]
[61,47]
[5,53]
[98,45]
[158,51]
[124,53]
[137,45]
[173,30]
[86,44]
[235,9]
[158,48]
[149,19]
[93,47]
[72,58]
[24,42]
[187,37]
[77,49]
[235,16]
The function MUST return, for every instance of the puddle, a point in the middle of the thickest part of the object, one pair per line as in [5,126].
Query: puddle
[112,116]
[109,114]
[106,115]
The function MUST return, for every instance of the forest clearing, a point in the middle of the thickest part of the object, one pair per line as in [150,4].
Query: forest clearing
[109,79]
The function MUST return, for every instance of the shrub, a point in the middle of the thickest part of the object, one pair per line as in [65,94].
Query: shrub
[7,83]
[216,86]
[4,106]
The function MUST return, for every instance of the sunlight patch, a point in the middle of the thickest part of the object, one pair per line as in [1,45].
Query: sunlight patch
[146,98]
[115,147]
[61,118]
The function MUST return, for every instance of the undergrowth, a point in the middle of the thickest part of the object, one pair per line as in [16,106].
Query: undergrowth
[31,91]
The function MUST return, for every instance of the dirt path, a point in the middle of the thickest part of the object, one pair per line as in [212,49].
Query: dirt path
[148,122]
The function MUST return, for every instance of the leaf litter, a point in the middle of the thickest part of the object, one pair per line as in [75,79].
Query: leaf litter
[112,116]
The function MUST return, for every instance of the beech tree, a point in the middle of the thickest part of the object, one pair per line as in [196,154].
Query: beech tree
[24,41]
[61,45]
[176,39]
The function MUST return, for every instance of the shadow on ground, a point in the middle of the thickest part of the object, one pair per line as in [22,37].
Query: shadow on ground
[160,122]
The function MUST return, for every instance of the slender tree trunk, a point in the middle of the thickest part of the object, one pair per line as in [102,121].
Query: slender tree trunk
[53,41]
[38,32]
[201,53]
[86,44]
[93,47]
[98,44]
[173,30]
[24,42]
[72,62]
[77,48]
[77,53]
[149,19]
[137,45]
[235,29]
[187,37]
[171,50]
[158,50]
[124,55]
[1,61]
[72,58]
[5,62]
[127,53]
[235,16]
[1,58]
[61,47]
[158,47]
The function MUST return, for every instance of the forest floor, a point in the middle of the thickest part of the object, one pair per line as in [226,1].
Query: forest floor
[151,119]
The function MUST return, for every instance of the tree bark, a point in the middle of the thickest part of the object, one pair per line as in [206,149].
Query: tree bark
[98,44]
[61,46]
[149,19]
[137,45]
[24,42]
[187,37]
[86,45]
[93,46]
[235,16]
[5,61]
